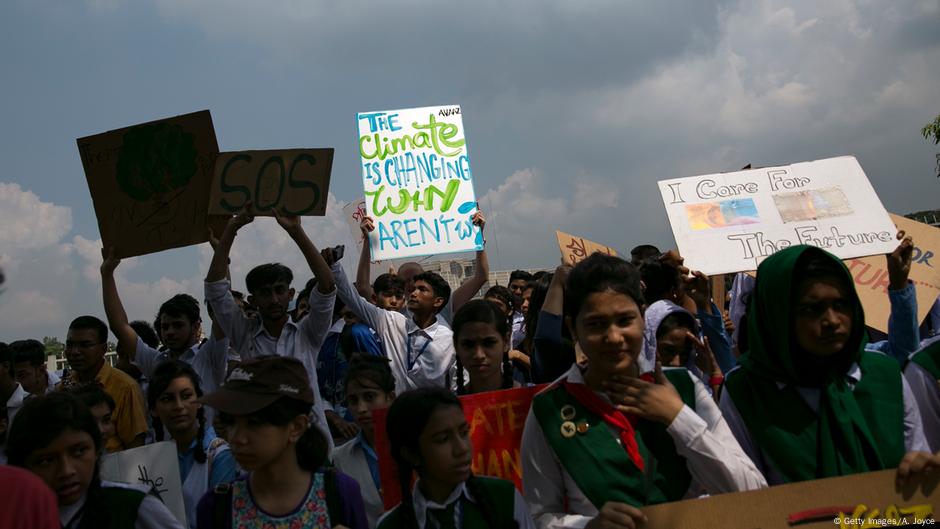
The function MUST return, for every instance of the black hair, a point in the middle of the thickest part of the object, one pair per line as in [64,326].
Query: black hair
[375,369]
[539,275]
[147,333]
[600,273]
[156,329]
[92,395]
[163,375]
[536,300]
[40,421]
[520,274]
[347,341]
[407,419]
[312,448]
[181,305]
[93,323]
[6,355]
[388,283]
[674,321]
[503,294]
[483,311]
[32,351]
[644,251]
[267,274]
[438,285]
[238,295]
[660,279]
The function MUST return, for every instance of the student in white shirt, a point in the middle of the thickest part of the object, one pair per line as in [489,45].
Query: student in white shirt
[419,347]
[272,332]
[29,359]
[603,441]
[407,272]
[923,375]
[179,326]
[369,386]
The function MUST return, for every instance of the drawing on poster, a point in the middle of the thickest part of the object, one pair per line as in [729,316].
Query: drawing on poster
[735,212]
[813,204]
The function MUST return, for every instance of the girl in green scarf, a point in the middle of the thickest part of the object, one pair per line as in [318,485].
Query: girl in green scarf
[808,401]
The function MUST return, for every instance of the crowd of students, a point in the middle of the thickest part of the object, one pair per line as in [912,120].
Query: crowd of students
[653,392]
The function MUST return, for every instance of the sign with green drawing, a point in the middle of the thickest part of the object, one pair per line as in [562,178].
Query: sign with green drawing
[292,180]
[150,183]
[417,182]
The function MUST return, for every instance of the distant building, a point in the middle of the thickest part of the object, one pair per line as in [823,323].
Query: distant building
[456,271]
[931,217]
[58,363]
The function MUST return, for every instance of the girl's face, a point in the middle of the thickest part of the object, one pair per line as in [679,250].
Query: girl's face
[446,450]
[102,414]
[363,396]
[177,408]
[673,347]
[481,349]
[609,329]
[823,316]
[255,443]
[526,296]
[66,465]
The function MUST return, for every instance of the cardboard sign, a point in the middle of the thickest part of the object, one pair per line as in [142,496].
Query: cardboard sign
[576,249]
[150,183]
[857,501]
[730,222]
[295,180]
[871,275]
[155,466]
[496,420]
[417,181]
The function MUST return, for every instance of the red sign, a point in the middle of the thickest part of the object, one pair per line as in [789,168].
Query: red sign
[496,421]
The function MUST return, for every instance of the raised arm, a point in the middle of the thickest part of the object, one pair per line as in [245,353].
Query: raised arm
[218,268]
[903,327]
[113,308]
[319,267]
[481,274]
[364,270]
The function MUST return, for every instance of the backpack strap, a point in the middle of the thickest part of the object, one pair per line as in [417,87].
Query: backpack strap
[334,505]
[222,506]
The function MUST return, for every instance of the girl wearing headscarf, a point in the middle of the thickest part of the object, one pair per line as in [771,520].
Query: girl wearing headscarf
[808,401]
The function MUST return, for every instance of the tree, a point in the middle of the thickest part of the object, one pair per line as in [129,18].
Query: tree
[53,346]
[932,131]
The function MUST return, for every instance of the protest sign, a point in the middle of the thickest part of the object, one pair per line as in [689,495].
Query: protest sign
[417,181]
[496,420]
[871,275]
[730,222]
[155,466]
[576,249]
[150,183]
[294,180]
[857,501]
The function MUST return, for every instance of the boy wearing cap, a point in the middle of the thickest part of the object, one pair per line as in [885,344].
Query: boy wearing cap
[273,332]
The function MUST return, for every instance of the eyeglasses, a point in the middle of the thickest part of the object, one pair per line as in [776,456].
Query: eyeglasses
[80,345]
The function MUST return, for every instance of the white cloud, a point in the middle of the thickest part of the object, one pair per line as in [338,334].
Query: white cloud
[28,222]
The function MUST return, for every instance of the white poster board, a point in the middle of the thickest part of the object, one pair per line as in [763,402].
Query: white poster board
[155,466]
[730,222]
[417,182]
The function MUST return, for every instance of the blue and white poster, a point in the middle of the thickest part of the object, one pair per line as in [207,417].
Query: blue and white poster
[417,182]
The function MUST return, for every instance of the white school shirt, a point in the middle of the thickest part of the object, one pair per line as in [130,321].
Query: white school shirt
[926,392]
[520,512]
[151,514]
[350,459]
[714,459]
[913,430]
[302,341]
[419,357]
[208,359]
[15,402]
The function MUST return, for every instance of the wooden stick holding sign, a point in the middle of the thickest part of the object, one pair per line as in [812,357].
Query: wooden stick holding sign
[576,249]
[293,180]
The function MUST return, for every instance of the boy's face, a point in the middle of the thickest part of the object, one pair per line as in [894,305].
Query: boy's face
[31,378]
[516,286]
[177,332]
[84,350]
[393,299]
[272,300]
[822,316]
[422,298]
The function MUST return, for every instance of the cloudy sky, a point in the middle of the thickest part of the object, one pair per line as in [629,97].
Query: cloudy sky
[573,111]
